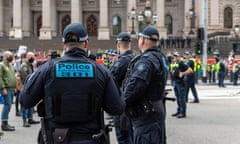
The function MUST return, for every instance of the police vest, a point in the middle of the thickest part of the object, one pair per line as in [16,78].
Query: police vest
[235,67]
[71,90]
[157,85]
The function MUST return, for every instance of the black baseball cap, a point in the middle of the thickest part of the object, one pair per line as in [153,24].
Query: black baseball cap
[150,32]
[76,29]
[123,36]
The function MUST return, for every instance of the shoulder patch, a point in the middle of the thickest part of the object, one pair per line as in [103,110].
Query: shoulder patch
[141,67]
[74,70]
[146,55]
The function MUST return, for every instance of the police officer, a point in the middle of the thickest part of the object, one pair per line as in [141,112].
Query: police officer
[180,69]
[235,71]
[190,78]
[143,90]
[74,89]
[123,126]
[221,70]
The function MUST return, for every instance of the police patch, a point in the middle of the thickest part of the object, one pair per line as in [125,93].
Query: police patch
[74,70]
[141,67]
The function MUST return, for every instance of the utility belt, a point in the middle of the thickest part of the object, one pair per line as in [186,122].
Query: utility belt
[144,108]
[65,136]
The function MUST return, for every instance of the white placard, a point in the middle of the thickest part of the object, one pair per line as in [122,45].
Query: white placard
[21,50]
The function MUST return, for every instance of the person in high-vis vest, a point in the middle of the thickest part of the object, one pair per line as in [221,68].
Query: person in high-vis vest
[221,72]
[190,78]
[235,72]
[214,69]
[209,71]
[180,69]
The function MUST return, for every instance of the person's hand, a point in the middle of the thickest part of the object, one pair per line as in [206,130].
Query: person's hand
[181,74]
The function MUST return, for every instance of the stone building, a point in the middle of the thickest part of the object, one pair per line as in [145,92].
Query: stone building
[44,20]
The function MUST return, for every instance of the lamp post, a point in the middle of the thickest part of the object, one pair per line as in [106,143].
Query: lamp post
[191,16]
[132,17]
[147,17]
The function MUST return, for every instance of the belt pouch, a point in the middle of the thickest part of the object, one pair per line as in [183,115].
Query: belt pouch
[61,136]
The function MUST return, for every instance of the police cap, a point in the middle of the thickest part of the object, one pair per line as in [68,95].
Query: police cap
[188,53]
[123,36]
[150,32]
[176,54]
[114,53]
[74,29]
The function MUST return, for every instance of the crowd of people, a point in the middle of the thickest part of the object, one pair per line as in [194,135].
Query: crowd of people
[72,90]
[14,70]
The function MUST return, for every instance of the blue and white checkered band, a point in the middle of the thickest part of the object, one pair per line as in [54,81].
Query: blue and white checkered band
[81,39]
[74,70]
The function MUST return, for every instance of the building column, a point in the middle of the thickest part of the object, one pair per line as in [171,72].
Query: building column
[199,13]
[187,7]
[45,31]
[1,18]
[26,22]
[76,11]
[160,9]
[214,15]
[103,30]
[131,4]
[53,18]
[16,31]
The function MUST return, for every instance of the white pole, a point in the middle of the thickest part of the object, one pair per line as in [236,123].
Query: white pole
[205,27]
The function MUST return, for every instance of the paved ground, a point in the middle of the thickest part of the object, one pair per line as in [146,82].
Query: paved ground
[215,120]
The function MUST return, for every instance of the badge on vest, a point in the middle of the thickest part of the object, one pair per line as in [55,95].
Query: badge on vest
[74,70]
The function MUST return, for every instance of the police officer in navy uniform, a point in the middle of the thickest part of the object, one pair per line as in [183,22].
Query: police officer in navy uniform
[179,70]
[190,78]
[143,90]
[73,89]
[123,126]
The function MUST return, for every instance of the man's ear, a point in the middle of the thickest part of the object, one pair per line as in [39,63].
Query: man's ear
[118,46]
[85,44]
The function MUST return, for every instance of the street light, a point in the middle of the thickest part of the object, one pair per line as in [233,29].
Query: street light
[147,16]
[132,16]
[190,15]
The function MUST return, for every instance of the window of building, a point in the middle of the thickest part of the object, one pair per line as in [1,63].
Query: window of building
[66,1]
[91,2]
[168,0]
[169,24]
[116,23]
[66,20]
[39,25]
[142,1]
[117,2]
[92,25]
[38,2]
[228,17]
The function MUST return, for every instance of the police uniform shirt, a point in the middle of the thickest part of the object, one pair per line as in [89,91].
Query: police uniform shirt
[182,67]
[190,63]
[119,68]
[111,101]
[140,78]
